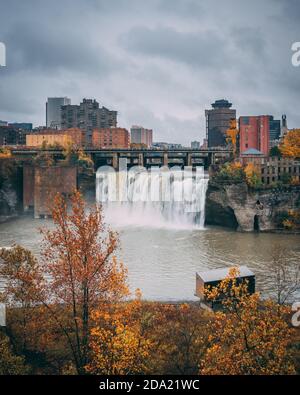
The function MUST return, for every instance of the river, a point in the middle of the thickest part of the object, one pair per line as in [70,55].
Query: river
[162,261]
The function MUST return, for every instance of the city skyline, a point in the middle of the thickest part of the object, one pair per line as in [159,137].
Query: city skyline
[210,54]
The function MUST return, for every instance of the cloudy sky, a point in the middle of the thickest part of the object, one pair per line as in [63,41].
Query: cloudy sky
[160,63]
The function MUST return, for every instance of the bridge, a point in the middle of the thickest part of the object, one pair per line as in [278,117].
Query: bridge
[140,157]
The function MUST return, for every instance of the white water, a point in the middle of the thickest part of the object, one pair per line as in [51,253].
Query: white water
[159,198]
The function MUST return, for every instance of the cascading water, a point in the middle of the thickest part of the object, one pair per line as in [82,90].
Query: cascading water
[170,198]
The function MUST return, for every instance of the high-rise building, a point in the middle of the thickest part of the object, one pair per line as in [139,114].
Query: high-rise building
[3,123]
[255,133]
[284,127]
[53,111]
[195,144]
[218,122]
[88,116]
[275,129]
[140,135]
[110,138]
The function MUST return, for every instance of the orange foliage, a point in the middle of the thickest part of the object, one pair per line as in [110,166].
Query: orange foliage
[77,274]
[248,337]
[118,341]
[290,146]
[231,135]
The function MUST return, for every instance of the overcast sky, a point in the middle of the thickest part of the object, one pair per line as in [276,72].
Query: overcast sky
[160,63]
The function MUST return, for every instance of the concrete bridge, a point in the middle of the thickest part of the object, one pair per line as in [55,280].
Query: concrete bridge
[141,157]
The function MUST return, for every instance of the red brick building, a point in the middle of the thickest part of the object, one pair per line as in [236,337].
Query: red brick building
[111,138]
[255,133]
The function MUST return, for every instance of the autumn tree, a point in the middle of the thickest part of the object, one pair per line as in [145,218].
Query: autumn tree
[282,280]
[252,175]
[179,335]
[290,146]
[119,341]
[5,152]
[232,135]
[248,337]
[10,363]
[77,257]
[24,288]
[76,274]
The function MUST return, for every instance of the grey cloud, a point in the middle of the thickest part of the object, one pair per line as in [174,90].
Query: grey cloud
[158,62]
[199,49]
[36,46]
[179,8]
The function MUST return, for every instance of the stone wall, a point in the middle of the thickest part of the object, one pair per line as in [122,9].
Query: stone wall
[10,188]
[42,183]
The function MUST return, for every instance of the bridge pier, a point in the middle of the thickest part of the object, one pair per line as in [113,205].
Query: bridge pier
[115,160]
[141,159]
[166,159]
[211,158]
[189,161]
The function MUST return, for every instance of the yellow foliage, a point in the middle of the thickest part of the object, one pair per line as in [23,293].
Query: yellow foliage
[5,152]
[290,146]
[252,174]
[118,344]
[231,135]
[248,336]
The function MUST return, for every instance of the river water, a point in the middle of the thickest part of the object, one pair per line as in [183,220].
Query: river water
[162,261]
[163,242]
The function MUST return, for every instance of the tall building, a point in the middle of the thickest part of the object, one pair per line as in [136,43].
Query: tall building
[255,133]
[217,122]
[3,123]
[110,138]
[275,129]
[53,111]
[140,135]
[88,116]
[284,127]
[195,144]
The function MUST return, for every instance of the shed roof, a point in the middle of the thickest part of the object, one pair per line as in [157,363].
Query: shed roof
[221,274]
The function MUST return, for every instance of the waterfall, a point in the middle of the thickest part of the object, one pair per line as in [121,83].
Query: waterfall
[158,197]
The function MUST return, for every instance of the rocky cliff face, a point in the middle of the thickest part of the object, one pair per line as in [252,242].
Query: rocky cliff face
[238,207]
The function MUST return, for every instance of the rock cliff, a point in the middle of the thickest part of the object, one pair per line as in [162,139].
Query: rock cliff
[236,206]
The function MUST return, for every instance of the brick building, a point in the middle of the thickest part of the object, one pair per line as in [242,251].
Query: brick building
[140,135]
[111,138]
[74,136]
[272,169]
[12,136]
[87,116]
[218,122]
[255,132]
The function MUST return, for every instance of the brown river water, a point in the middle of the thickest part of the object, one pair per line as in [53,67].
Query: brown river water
[162,262]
